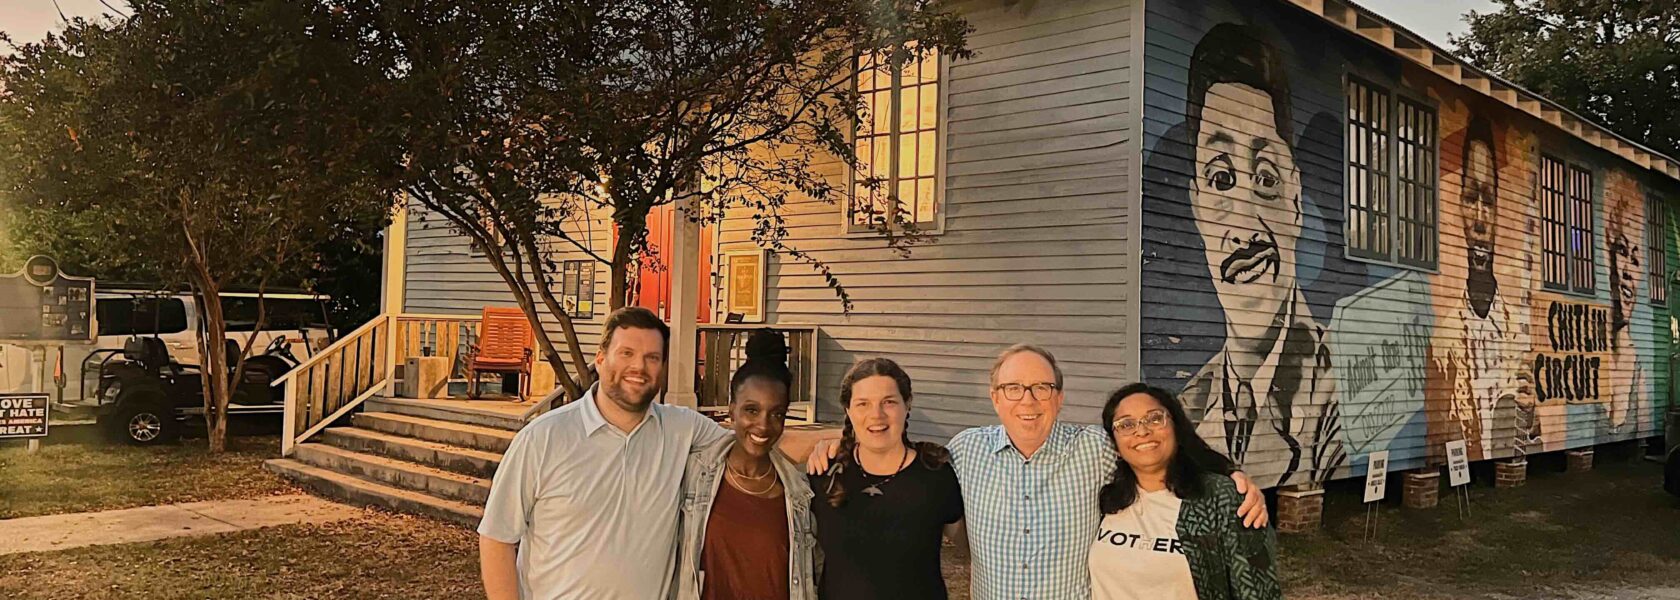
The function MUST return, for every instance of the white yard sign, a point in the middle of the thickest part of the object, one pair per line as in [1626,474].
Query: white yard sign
[1458,463]
[1376,476]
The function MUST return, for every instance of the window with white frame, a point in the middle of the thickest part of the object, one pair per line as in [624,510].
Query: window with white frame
[1566,213]
[1391,177]
[897,141]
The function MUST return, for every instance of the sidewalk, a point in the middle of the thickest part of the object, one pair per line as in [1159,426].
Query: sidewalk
[60,532]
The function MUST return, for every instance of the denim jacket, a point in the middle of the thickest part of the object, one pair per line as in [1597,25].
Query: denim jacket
[700,486]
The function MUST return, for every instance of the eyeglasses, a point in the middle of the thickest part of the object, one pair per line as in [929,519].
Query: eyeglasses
[1016,391]
[1151,421]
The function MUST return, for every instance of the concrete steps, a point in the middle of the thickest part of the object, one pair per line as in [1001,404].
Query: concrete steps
[432,458]
[361,491]
[488,439]
[399,473]
[456,459]
[482,417]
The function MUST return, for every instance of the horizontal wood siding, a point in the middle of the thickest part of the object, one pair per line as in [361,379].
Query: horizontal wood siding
[444,276]
[1034,245]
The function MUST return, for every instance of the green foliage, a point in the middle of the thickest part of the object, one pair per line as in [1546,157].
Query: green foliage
[1615,61]
[532,115]
[205,142]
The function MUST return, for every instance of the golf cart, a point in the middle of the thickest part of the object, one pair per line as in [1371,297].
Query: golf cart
[145,397]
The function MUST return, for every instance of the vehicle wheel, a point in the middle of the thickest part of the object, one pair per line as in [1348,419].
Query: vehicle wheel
[144,423]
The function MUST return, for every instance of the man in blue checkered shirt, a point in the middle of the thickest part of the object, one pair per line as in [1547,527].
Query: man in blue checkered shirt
[1030,486]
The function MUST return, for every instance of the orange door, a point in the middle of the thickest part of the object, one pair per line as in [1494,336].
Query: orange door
[652,289]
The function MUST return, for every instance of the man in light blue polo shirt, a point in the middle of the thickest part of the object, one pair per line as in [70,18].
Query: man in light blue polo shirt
[585,502]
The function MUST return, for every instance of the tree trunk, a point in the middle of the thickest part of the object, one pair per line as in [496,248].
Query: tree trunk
[213,366]
[574,347]
[629,229]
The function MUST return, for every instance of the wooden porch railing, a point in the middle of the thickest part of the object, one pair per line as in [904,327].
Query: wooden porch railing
[335,380]
[345,374]
[339,378]
[722,349]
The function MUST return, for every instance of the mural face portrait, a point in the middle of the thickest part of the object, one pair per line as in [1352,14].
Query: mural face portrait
[1626,262]
[1247,203]
[1246,191]
[1481,202]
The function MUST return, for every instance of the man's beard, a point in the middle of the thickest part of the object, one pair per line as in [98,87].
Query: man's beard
[616,391]
[1481,287]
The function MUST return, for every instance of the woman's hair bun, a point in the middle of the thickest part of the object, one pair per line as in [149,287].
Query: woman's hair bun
[767,344]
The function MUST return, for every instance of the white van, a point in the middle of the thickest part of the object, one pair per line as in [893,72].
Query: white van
[173,318]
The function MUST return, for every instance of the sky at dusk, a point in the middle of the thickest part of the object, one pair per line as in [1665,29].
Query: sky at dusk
[30,20]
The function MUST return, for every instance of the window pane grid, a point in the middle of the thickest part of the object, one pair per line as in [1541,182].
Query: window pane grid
[1416,172]
[1368,185]
[1390,181]
[1553,176]
[898,139]
[1656,248]
[1581,252]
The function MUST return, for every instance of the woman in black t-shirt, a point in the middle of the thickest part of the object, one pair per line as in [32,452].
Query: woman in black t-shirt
[883,506]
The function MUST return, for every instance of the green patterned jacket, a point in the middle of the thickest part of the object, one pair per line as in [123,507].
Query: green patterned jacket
[1227,561]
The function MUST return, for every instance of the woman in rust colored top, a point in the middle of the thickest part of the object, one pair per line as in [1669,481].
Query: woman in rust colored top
[746,518]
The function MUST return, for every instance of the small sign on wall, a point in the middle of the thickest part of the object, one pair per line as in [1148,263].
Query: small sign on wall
[577,283]
[1376,476]
[1458,463]
[744,284]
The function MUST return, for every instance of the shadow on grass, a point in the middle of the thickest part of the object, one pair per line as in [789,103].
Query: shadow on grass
[380,555]
[1609,528]
[95,475]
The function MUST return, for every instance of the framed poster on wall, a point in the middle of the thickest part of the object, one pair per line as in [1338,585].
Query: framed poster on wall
[743,284]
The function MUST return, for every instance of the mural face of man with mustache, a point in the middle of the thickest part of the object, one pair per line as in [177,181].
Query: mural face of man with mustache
[1247,197]
[1267,395]
[1247,191]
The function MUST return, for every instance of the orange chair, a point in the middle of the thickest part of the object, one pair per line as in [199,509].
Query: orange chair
[504,346]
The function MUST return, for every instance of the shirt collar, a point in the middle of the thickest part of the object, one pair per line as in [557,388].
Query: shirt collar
[593,421]
[1059,432]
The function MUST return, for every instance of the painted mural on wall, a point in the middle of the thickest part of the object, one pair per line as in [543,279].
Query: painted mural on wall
[1301,361]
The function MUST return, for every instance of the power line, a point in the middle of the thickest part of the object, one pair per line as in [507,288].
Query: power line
[113,8]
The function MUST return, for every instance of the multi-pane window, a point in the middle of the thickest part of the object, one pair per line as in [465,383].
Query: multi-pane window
[1656,247]
[1581,255]
[897,141]
[1391,181]
[1415,171]
[1566,212]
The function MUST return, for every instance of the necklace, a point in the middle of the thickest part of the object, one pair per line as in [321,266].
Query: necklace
[764,493]
[875,489]
[742,475]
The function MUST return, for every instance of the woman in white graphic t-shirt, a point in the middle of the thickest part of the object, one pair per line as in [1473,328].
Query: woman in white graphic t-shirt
[1169,528]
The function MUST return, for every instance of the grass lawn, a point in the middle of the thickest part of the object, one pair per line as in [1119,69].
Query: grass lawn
[1609,533]
[377,556]
[1563,535]
[67,478]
